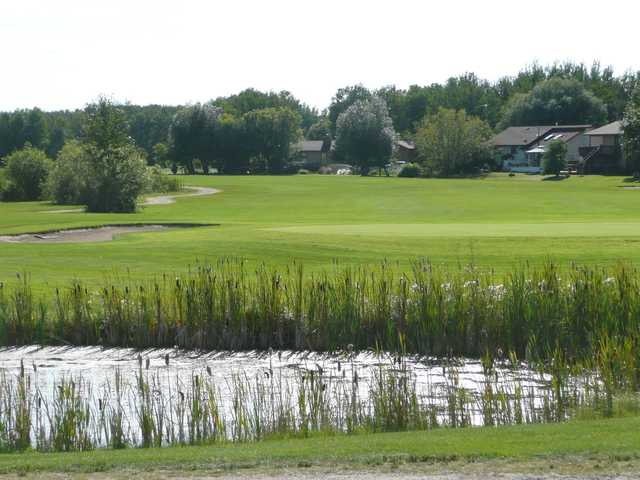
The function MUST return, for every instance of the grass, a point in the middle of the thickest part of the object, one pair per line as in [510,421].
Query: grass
[494,222]
[614,440]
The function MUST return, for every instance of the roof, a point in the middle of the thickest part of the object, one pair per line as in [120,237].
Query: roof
[525,136]
[613,128]
[564,135]
[406,145]
[309,146]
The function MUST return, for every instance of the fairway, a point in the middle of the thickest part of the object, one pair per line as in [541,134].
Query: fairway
[494,222]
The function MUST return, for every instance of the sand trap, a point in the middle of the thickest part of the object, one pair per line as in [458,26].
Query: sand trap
[85,235]
[631,187]
[156,200]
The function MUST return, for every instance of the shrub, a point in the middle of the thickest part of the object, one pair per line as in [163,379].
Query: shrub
[554,159]
[410,170]
[158,181]
[67,182]
[116,178]
[26,173]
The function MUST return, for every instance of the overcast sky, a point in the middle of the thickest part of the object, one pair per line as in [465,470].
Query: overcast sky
[64,53]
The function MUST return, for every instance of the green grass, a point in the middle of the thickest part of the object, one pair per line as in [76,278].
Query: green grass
[494,222]
[616,440]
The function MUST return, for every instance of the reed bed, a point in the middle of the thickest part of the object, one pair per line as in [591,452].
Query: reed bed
[155,408]
[533,312]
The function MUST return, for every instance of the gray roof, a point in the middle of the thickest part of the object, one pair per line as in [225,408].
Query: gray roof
[524,136]
[614,128]
[309,146]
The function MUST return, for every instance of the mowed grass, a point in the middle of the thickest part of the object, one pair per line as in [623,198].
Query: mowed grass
[578,442]
[495,222]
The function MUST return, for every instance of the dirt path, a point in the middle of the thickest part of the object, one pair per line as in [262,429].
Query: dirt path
[168,199]
[157,199]
[292,475]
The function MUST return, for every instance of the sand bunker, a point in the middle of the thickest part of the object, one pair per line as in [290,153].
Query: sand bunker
[85,235]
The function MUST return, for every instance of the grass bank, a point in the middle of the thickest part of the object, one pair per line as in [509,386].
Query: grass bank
[494,222]
[598,443]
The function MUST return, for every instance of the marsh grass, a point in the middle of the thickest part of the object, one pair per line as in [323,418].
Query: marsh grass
[533,312]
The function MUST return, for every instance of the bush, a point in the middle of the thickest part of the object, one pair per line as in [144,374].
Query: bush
[410,170]
[115,179]
[67,182]
[554,159]
[25,174]
[156,181]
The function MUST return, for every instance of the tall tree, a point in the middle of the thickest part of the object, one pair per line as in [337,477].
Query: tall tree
[192,136]
[364,135]
[116,168]
[451,142]
[555,101]
[343,99]
[269,133]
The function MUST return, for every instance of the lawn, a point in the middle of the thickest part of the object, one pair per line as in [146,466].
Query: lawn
[494,222]
[581,446]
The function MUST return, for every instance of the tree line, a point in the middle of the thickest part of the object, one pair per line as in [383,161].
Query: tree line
[251,132]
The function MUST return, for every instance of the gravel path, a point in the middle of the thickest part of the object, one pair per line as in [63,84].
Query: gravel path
[168,199]
[156,200]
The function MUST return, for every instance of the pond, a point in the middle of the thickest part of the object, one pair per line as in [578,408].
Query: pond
[170,396]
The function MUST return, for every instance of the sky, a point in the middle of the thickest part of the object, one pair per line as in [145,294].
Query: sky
[63,54]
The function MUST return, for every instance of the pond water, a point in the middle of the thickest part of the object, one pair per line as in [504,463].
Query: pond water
[255,392]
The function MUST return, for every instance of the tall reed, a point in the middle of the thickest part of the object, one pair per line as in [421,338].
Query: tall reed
[530,311]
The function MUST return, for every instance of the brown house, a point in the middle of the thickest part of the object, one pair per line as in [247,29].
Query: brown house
[406,151]
[604,152]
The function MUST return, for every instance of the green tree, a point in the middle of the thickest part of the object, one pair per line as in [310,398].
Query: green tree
[25,174]
[192,136]
[232,146]
[159,154]
[343,99]
[451,142]
[116,170]
[555,158]
[556,101]
[364,135]
[67,182]
[631,141]
[270,133]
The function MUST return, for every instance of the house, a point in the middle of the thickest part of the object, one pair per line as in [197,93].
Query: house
[522,148]
[603,152]
[309,154]
[406,151]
